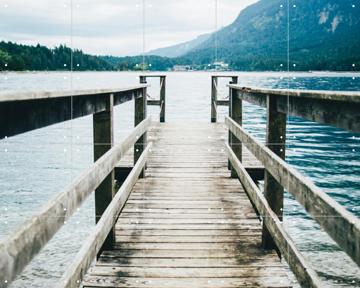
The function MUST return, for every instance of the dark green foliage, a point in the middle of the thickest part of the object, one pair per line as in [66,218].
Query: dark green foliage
[321,35]
[16,57]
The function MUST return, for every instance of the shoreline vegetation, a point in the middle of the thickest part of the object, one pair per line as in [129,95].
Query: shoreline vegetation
[20,58]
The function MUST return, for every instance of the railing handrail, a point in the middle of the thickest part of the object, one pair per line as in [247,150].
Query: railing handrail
[91,247]
[10,96]
[343,96]
[316,202]
[297,263]
[21,246]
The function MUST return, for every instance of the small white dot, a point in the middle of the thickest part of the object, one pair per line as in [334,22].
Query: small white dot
[294,6]
[281,6]
[65,65]
[353,6]
[6,64]
[353,65]
[78,65]
[294,65]
[281,65]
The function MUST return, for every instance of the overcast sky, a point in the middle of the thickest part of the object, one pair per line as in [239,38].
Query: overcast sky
[112,27]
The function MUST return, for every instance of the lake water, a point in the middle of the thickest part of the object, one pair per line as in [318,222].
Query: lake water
[37,165]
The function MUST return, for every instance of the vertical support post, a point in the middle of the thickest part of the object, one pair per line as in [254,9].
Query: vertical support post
[104,141]
[235,111]
[214,82]
[140,115]
[234,80]
[162,98]
[275,140]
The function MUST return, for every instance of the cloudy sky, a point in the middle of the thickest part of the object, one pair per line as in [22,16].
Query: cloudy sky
[112,27]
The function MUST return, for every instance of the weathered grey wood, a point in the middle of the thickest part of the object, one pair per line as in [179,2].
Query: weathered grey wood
[22,245]
[306,276]
[115,282]
[153,102]
[103,135]
[339,109]
[162,98]
[222,102]
[181,218]
[74,274]
[140,115]
[235,112]
[275,141]
[25,111]
[339,223]
[214,82]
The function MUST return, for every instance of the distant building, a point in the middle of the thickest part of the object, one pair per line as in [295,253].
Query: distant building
[220,65]
[182,68]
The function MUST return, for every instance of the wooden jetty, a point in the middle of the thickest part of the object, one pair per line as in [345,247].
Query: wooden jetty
[178,204]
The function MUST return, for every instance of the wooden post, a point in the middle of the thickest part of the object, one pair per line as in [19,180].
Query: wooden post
[214,81]
[235,112]
[162,98]
[140,115]
[275,140]
[103,141]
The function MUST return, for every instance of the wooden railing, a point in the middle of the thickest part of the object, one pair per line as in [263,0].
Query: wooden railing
[215,101]
[157,102]
[339,109]
[47,108]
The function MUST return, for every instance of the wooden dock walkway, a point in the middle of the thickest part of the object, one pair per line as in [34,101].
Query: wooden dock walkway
[188,223]
[179,205]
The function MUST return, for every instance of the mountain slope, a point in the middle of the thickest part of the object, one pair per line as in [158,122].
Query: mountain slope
[180,49]
[323,34]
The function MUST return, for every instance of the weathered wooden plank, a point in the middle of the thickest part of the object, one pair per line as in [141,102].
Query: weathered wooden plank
[189,272]
[241,257]
[188,258]
[180,218]
[26,242]
[340,224]
[25,111]
[209,232]
[339,109]
[75,272]
[272,281]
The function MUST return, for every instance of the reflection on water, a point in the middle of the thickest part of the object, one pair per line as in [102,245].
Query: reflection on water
[37,165]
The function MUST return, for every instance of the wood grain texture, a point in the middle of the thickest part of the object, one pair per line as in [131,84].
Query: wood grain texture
[188,223]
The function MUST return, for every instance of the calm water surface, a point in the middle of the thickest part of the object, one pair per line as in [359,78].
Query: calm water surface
[37,165]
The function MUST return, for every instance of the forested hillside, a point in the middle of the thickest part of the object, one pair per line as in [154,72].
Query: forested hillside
[16,57]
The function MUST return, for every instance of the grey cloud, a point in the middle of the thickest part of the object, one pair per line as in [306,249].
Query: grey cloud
[113,21]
